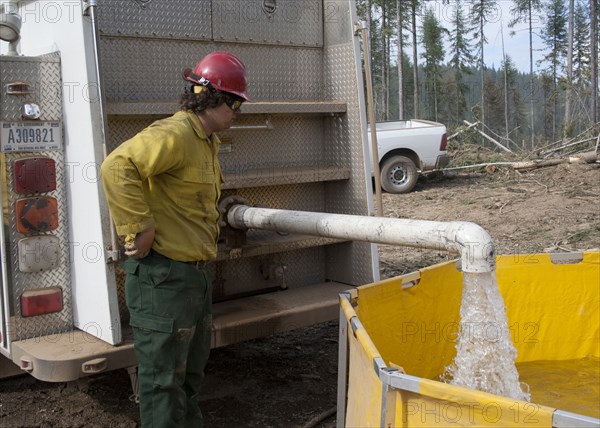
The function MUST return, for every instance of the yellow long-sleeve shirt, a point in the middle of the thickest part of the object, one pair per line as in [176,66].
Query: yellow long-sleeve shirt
[168,176]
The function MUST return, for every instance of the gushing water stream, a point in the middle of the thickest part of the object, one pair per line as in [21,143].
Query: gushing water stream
[485,354]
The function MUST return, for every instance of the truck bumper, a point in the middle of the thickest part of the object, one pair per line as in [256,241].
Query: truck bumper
[74,354]
[68,356]
[442,161]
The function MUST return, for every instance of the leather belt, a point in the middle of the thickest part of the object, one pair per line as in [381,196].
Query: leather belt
[197,264]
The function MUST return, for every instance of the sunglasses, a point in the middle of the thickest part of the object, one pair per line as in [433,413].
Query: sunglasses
[233,104]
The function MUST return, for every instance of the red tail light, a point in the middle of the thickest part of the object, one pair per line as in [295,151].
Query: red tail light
[41,301]
[444,143]
[35,175]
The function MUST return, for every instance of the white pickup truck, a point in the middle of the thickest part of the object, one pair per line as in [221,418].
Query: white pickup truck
[407,148]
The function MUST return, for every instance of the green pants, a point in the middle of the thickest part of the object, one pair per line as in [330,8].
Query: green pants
[170,308]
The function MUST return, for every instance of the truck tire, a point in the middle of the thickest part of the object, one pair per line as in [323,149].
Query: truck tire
[398,175]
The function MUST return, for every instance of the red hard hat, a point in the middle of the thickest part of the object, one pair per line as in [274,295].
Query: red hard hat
[225,72]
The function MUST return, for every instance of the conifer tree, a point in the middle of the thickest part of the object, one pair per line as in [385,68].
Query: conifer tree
[514,106]
[481,12]
[494,104]
[581,46]
[460,60]
[554,36]
[527,11]
[433,44]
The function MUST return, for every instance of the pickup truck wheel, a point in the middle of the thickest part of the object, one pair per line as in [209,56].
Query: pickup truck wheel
[398,175]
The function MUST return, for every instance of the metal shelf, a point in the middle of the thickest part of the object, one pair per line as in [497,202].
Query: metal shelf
[162,108]
[286,174]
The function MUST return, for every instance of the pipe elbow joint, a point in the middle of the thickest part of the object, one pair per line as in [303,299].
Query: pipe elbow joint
[476,247]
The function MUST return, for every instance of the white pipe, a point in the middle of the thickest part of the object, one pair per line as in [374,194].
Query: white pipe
[471,241]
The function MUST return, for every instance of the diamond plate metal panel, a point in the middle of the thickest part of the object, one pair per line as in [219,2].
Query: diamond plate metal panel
[188,19]
[280,22]
[120,284]
[58,276]
[289,74]
[349,263]
[286,62]
[243,276]
[294,140]
[43,74]
[300,197]
[339,24]
[284,73]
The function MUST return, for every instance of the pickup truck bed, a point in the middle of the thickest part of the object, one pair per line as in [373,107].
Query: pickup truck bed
[407,148]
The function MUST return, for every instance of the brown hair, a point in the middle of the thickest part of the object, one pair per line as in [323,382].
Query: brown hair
[201,101]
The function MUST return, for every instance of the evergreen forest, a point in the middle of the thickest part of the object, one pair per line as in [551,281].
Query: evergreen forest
[444,75]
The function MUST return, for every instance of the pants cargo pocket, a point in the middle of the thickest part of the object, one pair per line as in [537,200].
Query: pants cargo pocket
[153,337]
[163,401]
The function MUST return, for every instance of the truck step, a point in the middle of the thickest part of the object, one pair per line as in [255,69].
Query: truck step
[266,314]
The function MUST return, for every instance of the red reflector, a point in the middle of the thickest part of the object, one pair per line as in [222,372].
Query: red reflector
[444,143]
[35,175]
[41,301]
[36,215]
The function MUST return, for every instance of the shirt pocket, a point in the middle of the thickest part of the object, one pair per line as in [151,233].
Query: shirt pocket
[198,187]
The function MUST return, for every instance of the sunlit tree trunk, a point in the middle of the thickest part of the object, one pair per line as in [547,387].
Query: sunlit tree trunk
[532,78]
[505,68]
[594,58]
[568,125]
[385,63]
[414,7]
[399,60]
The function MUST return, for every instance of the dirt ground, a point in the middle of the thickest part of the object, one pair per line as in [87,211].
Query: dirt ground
[289,379]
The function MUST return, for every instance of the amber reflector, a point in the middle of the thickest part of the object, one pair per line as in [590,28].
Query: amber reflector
[35,215]
[41,301]
[35,175]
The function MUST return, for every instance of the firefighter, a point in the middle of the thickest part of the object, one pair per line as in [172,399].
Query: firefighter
[162,187]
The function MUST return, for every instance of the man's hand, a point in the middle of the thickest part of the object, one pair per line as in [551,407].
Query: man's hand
[141,245]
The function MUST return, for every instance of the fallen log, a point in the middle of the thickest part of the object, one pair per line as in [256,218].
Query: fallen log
[587,157]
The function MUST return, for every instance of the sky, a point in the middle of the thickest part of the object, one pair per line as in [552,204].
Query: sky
[516,46]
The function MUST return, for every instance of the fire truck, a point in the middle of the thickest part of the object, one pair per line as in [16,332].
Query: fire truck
[79,77]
